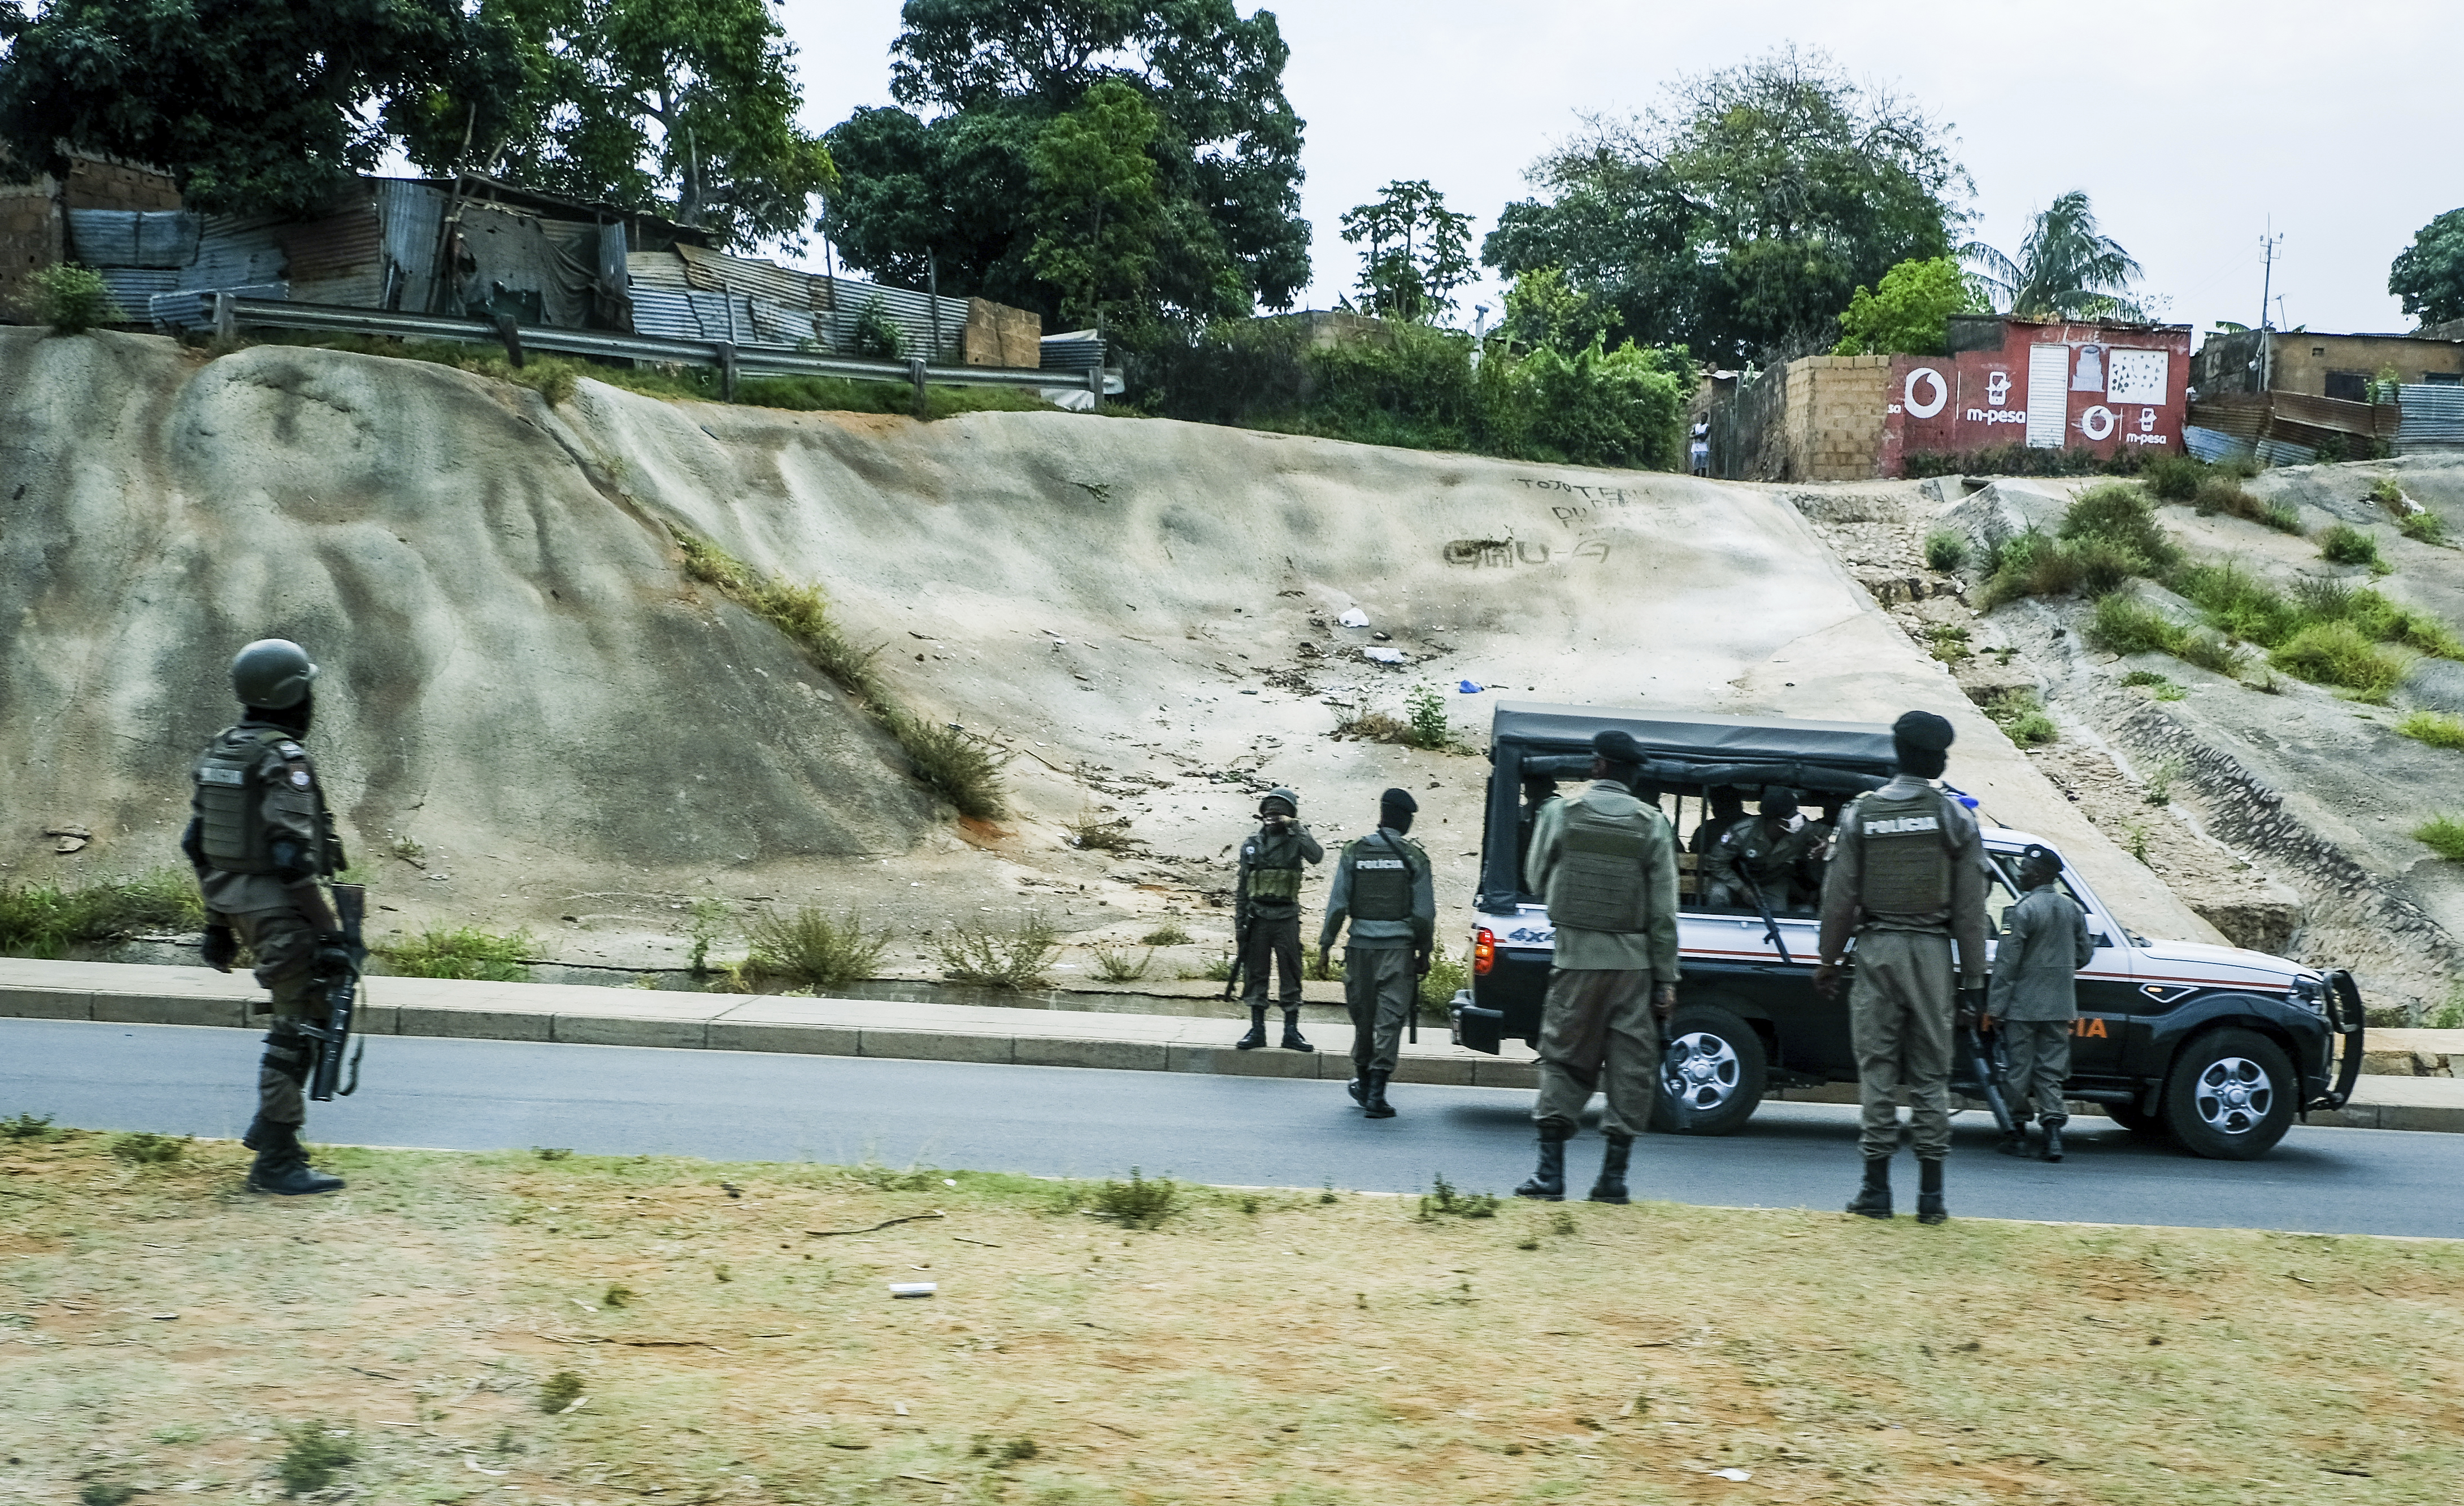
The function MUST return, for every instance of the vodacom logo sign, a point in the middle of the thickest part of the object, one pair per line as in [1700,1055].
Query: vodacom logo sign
[1927,381]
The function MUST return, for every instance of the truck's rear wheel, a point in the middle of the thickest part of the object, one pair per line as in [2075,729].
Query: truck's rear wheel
[2231,1096]
[1711,1072]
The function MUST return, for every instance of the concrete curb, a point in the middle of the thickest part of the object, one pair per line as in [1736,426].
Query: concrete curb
[126,994]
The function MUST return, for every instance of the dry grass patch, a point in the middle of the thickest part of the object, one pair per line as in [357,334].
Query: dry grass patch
[1253,1347]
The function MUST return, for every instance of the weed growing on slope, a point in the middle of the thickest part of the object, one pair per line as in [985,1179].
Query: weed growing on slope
[145,1148]
[1100,835]
[2443,835]
[461,952]
[1442,1199]
[559,1391]
[24,1127]
[316,1454]
[2219,495]
[2022,717]
[73,300]
[1113,964]
[1945,550]
[1168,933]
[813,950]
[2436,728]
[43,920]
[1013,959]
[1140,1203]
[2346,544]
[1447,976]
[961,769]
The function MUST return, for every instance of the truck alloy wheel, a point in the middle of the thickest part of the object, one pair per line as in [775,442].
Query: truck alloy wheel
[1713,1066]
[2231,1096]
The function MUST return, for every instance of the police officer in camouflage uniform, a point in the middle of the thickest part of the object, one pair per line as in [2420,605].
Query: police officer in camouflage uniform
[1266,914]
[1606,863]
[2033,1001]
[260,836]
[1779,849]
[1383,886]
[1906,879]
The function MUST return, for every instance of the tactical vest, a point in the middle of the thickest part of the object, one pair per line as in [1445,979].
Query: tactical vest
[230,802]
[1907,853]
[1600,884]
[1381,879]
[1277,884]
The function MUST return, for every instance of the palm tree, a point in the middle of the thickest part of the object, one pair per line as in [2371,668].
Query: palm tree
[2065,270]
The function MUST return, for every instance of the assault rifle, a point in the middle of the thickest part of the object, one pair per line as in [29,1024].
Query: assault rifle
[1240,954]
[1980,1066]
[1762,907]
[342,989]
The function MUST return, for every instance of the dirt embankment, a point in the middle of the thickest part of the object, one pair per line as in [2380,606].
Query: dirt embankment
[2282,811]
[532,715]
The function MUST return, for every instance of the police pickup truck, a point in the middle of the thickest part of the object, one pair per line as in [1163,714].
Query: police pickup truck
[2219,1046]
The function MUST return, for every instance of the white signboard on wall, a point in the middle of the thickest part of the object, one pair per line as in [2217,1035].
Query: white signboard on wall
[2136,376]
[2049,395]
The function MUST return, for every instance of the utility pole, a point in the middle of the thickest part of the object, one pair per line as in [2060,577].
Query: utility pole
[2267,245]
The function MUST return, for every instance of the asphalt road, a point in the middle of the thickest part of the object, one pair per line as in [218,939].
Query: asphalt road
[1254,1132]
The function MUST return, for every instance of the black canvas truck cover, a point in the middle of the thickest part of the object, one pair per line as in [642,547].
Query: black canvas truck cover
[1686,754]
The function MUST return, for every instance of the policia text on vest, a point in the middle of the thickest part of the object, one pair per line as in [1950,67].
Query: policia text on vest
[1384,891]
[261,839]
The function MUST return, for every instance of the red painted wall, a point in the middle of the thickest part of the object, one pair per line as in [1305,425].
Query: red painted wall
[2099,387]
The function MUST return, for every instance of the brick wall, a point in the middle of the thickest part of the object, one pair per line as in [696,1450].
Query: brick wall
[31,238]
[999,336]
[98,185]
[1832,424]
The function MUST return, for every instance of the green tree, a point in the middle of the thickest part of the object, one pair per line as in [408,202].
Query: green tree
[1419,252]
[1545,311]
[1096,202]
[1739,216]
[680,107]
[949,174]
[2428,274]
[1910,312]
[250,106]
[2067,268]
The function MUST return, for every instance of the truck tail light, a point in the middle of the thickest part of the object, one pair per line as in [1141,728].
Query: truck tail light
[1484,951]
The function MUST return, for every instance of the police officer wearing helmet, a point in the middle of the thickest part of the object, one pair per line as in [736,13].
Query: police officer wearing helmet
[1383,886]
[1906,879]
[2033,1001]
[260,836]
[1266,914]
[1781,851]
[1606,863]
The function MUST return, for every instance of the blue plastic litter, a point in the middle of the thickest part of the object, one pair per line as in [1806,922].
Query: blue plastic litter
[1468,688]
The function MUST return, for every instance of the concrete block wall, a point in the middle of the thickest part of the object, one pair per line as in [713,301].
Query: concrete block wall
[32,236]
[98,185]
[1001,336]
[1834,423]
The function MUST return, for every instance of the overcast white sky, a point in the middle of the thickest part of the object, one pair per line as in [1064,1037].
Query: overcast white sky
[2190,122]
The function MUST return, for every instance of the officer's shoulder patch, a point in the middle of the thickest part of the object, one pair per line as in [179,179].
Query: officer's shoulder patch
[299,778]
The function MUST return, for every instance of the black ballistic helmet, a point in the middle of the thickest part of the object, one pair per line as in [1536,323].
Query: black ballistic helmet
[271,674]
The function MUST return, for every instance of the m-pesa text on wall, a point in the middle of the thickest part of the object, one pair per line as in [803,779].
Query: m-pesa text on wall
[2095,386]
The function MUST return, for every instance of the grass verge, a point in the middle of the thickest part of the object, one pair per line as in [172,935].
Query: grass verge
[961,769]
[1583,1353]
[45,920]
[2436,728]
[460,952]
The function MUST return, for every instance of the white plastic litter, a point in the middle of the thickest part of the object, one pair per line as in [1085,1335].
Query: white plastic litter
[1355,618]
[914,1288]
[1738,1475]
[1383,656]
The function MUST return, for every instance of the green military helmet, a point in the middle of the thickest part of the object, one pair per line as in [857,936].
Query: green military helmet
[1291,801]
[271,674]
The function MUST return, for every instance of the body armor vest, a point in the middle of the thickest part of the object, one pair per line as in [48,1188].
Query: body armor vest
[1381,879]
[230,801]
[1600,884]
[1280,881]
[1907,854]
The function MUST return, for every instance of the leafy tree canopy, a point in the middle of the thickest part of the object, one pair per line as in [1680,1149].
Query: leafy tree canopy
[1910,314]
[2067,268]
[1419,252]
[951,172]
[2428,274]
[263,105]
[1095,202]
[1546,312]
[1738,217]
[679,107]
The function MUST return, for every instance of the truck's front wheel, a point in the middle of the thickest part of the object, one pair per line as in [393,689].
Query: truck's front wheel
[1711,1072]
[2230,1097]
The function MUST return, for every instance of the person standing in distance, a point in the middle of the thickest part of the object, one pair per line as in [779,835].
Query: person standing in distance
[260,836]
[1383,886]
[1906,878]
[1266,915]
[1606,863]
[2033,1001]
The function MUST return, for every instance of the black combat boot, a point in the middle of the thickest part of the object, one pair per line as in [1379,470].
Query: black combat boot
[1256,1036]
[1374,1105]
[2015,1139]
[1293,1040]
[1359,1088]
[254,1138]
[1549,1182]
[281,1165]
[1610,1185]
[2054,1123]
[1873,1200]
[1929,1208]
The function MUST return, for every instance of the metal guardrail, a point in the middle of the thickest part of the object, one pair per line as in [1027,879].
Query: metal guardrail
[232,312]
